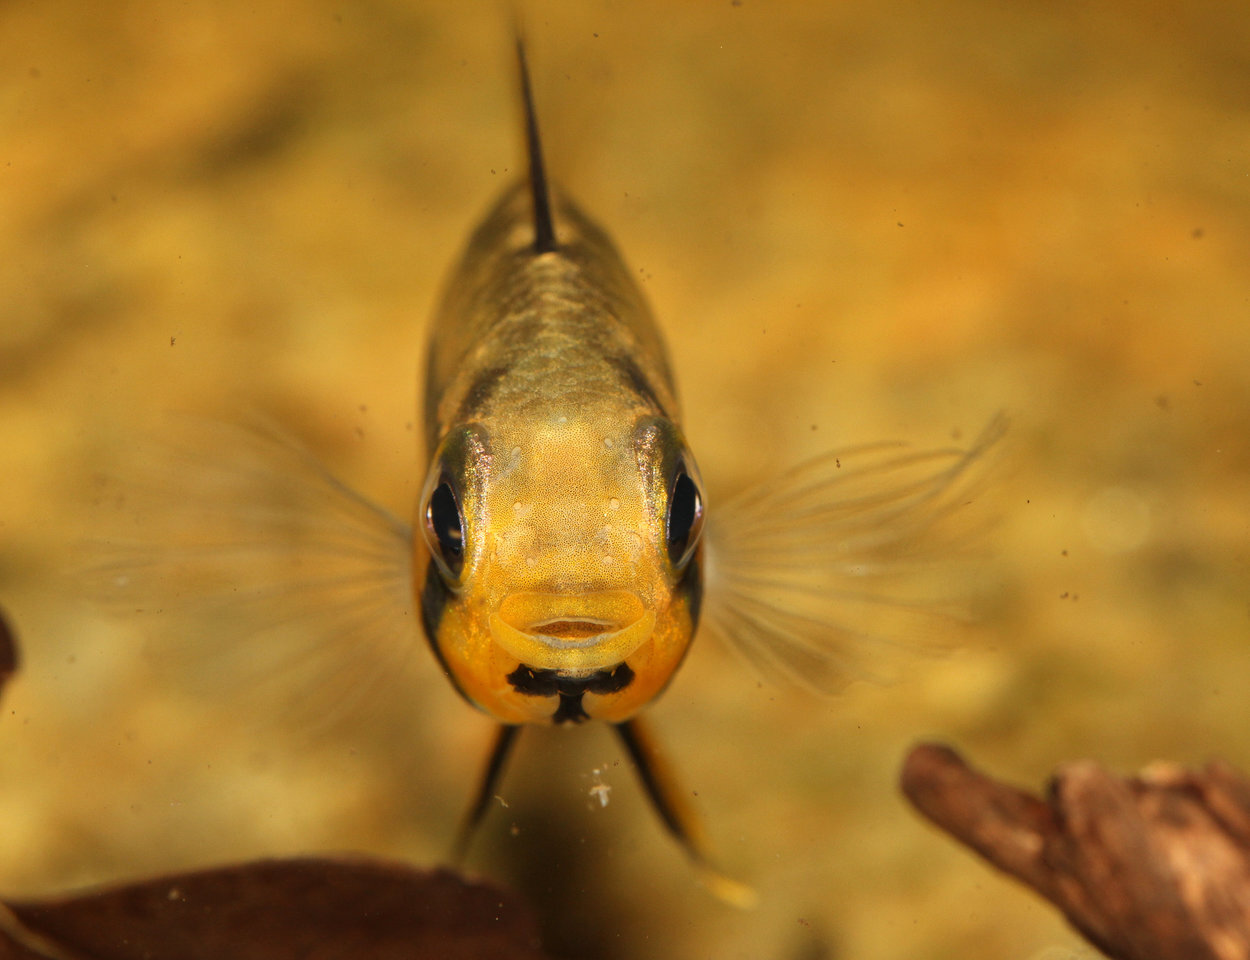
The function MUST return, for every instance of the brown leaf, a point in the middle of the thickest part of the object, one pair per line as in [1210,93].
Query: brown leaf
[312,909]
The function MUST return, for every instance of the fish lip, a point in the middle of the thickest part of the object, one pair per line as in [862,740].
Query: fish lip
[604,627]
[557,630]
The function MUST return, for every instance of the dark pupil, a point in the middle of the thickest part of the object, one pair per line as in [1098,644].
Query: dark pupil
[683,510]
[443,516]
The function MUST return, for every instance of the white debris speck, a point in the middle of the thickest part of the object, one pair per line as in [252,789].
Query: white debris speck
[599,790]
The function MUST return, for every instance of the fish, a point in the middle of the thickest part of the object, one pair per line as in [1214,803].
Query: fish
[564,552]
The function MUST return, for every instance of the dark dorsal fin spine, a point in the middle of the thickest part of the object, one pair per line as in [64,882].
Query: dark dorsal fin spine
[544,228]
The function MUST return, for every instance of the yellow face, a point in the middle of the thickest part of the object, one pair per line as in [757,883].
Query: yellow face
[559,570]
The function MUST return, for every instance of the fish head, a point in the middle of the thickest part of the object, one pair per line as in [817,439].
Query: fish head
[559,568]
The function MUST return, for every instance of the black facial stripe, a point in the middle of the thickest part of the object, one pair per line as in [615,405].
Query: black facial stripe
[570,710]
[550,683]
[479,393]
[691,585]
[534,683]
[611,681]
[434,596]
[636,381]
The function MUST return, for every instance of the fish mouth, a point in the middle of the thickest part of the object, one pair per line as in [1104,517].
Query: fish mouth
[572,633]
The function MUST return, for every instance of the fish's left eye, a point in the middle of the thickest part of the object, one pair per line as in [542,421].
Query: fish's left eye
[685,518]
[444,530]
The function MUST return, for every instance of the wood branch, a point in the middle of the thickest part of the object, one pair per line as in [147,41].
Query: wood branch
[1150,867]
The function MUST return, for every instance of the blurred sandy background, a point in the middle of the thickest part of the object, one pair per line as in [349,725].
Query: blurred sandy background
[854,225]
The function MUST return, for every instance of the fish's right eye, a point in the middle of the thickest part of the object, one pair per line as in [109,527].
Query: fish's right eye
[444,529]
[685,518]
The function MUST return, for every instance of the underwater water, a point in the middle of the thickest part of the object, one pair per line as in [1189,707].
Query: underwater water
[852,226]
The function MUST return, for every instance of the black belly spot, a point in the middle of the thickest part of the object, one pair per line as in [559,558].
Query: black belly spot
[551,683]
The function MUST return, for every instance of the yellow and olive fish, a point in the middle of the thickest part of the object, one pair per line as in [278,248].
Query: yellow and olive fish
[560,561]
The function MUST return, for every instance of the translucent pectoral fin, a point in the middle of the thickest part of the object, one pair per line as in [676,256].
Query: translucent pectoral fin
[248,566]
[678,816]
[827,573]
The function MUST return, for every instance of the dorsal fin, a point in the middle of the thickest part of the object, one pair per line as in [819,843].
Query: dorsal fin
[544,227]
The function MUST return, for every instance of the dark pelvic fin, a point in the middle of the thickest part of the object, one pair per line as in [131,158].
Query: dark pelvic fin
[544,227]
[678,816]
[487,788]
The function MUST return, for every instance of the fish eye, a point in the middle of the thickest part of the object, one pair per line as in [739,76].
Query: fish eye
[444,529]
[685,518]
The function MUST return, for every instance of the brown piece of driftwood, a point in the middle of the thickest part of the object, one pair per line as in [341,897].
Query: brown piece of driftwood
[1150,867]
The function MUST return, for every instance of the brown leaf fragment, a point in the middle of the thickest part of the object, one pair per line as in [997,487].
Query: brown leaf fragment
[1152,867]
[311,909]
